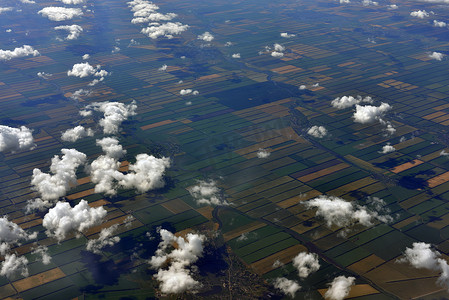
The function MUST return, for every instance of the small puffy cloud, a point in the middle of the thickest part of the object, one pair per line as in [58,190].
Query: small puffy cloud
[436,55]
[228,44]
[369,2]
[5,9]
[444,153]
[111,147]
[421,14]
[390,129]
[80,93]
[16,139]
[12,233]
[349,101]
[339,288]
[317,131]
[392,7]
[421,256]
[44,75]
[439,23]
[168,30]
[387,149]
[207,192]
[263,153]
[74,31]
[52,187]
[146,11]
[369,113]
[13,265]
[336,211]
[277,54]
[236,55]
[76,133]
[82,70]
[344,1]
[163,68]
[42,251]
[28,1]
[287,35]
[288,287]
[72,2]
[106,239]
[207,37]
[58,14]
[279,48]
[115,113]
[63,219]
[23,51]
[85,56]
[176,277]
[302,87]
[306,263]
[185,92]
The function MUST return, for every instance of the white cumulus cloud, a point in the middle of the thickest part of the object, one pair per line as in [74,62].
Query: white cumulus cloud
[369,113]
[42,251]
[421,14]
[439,23]
[16,139]
[306,263]
[349,101]
[82,70]
[106,239]
[436,55]
[13,265]
[263,153]
[207,36]
[168,30]
[387,149]
[23,51]
[74,31]
[317,131]
[56,13]
[288,287]
[63,219]
[76,133]
[287,35]
[339,288]
[207,192]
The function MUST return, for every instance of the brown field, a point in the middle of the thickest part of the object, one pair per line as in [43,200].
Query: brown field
[244,229]
[323,172]
[176,206]
[437,180]
[366,264]
[406,166]
[38,279]
[206,211]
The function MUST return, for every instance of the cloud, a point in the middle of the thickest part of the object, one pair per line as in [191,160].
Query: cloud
[43,252]
[74,31]
[263,153]
[85,56]
[145,11]
[369,2]
[82,70]
[236,55]
[277,54]
[144,175]
[302,87]
[44,75]
[288,287]
[104,240]
[287,35]
[436,55]
[163,68]
[344,1]
[306,263]
[421,256]
[16,139]
[14,264]
[60,13]
[421,14]
[279,48]
[349,101]
[176,278]
[392,7]
[390,129]
[336,211]
[114,114]
[184,92]
[207,37]
[207,192]
[23,51]
[439,23]
[11,233]
[369,113]
[80,93]
[63,219]
[52,187]
[168,30]
[72,2]
[387,149]
[28,1]
[339,288]
[76,133]
[317,131]
[4,9]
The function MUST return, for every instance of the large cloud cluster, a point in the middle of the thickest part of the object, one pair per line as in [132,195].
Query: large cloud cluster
[306,264]
[339,288]
[74,31]
[288,287]
[421,14]
[3,9]
[106,239]
[207,192]
[421,256]
[349,101]
[11,233]
[146,12]
[82,70]
[63,219]
[317,131]
[56,13]
[114,114]
[14,264]
[336,211]
[369,113]
[176,277]
[23,51]
[52,187]
[16,139]
[76,133]
[144,175]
